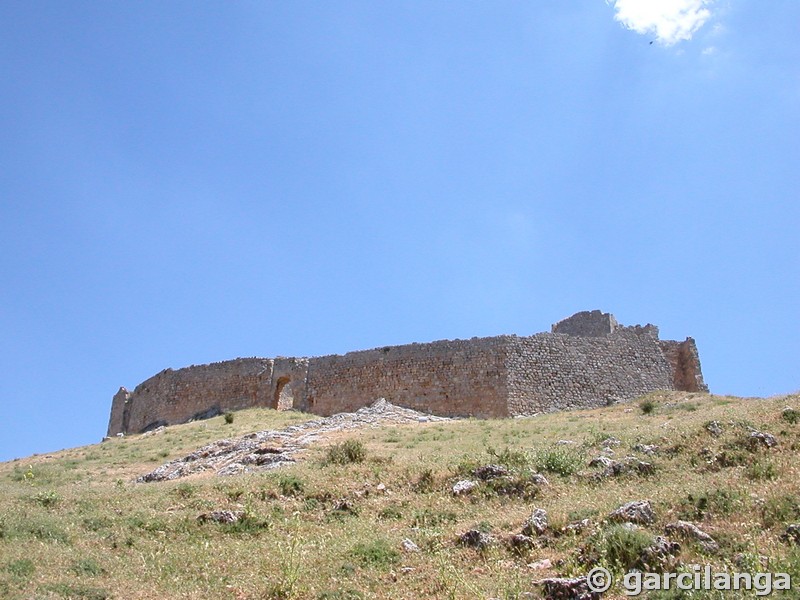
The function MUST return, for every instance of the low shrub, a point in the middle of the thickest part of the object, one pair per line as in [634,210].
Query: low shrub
[780,510]
[618,548]
[648,406]
[46,498]
[717,503]
[426,482]
[349,451]
[513,459]
[185,490]
[247,525]
[290,485]
[790,415]
[561,460]
[762,470]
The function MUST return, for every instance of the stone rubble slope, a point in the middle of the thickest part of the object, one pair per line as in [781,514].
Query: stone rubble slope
[271,449]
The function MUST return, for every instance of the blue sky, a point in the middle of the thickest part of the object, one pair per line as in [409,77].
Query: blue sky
[184,182]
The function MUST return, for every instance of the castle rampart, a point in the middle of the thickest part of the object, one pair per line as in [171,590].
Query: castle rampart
[588,360]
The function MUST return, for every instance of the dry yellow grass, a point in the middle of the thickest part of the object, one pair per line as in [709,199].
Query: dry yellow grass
[73,524]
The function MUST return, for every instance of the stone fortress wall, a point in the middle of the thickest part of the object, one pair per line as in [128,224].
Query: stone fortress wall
[587,360]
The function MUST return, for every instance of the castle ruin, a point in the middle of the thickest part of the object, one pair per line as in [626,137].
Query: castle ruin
[587,360]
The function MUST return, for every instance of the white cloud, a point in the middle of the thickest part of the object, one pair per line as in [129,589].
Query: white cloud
[669,20]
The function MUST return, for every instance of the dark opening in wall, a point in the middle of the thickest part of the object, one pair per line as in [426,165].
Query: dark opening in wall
[209,413]
[283,399]
[154,425]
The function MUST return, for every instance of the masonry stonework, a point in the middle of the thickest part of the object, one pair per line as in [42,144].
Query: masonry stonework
[586,361]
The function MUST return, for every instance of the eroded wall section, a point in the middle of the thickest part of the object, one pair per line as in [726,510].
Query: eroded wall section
[176,396]
[684,360]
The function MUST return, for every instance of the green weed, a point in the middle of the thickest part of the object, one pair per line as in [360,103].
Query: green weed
[88,567]
[762,470]
[290,485]
[618,548]
[47,498]
[22,568]
[77,591]
[718,503]
[780,510]
[426,482]
[433,518]
[561,460]
[648,406]
[349,451]
[378,553]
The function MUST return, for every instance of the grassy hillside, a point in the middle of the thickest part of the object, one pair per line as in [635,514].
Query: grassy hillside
[74,524]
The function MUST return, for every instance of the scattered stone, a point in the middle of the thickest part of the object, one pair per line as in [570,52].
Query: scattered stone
[644,468]
[271,449]
[488,472]
[409,546]
[465,486]
[638,511]
[559,588]
[715,428]
[760,438]
[576,526]
[539,479]
[792,534]
[661,555]
[476,539]
[407,569]
[601,461]
[536,523]
[565,442]
[381,488]
[231,469]
[629,464]
[746,561]
[520,541]
[649,449]
[343,505]
[541,565]
[610,442]
[156,431]
[689,530]
[222,516]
